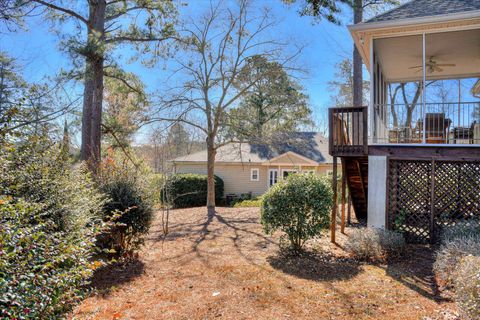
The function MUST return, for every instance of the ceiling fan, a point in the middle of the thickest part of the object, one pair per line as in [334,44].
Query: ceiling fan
[432,66]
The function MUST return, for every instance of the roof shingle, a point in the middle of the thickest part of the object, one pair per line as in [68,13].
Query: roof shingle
[312,145]
[427,8]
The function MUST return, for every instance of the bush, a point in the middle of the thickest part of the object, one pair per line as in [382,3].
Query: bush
[37,172]
[129,206]
[375,245]
[450,254]
[48,218]
[299,206]
[189,190]
[461,229]
[467,287]
[42,270]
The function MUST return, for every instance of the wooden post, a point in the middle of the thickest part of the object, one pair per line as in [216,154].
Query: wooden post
[333,219]
[432,203]
[349,211]
[344,186]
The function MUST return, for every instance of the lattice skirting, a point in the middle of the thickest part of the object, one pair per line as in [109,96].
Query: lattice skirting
[425,196]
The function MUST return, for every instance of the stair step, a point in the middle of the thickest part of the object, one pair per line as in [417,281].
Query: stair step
[357,180]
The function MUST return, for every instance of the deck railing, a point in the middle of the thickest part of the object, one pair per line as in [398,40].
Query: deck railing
[348,131]
[445,123]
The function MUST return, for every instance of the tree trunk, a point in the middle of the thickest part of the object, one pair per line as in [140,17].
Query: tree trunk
[211,153]
[86,148]
[97,114]
[93,90]
[357,59]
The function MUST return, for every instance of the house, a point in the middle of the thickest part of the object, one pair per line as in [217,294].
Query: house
[412,160]
[249,167]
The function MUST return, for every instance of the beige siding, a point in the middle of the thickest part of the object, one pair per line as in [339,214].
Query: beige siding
[236,177]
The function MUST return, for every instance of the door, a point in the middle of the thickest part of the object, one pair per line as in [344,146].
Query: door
[272,177]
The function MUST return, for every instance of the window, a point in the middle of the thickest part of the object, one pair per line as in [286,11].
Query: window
[272,177]
[286,172]
[330,173]
[254,175]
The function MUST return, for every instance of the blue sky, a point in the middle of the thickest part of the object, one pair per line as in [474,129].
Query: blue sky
[325,45]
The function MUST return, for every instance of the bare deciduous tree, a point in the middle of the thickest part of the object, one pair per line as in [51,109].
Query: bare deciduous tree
[220,43]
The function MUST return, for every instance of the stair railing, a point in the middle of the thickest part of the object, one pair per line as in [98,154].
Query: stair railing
[348,131]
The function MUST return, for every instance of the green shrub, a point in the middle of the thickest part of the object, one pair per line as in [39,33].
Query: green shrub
[42,270]
[467,287]
[299,206]
[461,229]
[189,190]
[48,218]
[37,172]
[129,205]
[248,203]
[450,254]
[375,245]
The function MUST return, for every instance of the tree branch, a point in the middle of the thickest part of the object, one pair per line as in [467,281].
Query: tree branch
[61,9]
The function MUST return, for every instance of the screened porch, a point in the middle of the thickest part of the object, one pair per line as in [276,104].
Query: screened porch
[425,89]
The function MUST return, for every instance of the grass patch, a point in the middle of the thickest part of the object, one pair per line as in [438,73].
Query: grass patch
[257,202]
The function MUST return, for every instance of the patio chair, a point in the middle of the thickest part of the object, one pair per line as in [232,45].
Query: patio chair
[436,127]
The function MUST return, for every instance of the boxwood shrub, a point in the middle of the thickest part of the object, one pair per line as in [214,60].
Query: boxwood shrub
[299,206]
[189,190]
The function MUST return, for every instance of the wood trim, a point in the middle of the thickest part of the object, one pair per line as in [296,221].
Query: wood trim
[426,152]
[291,153]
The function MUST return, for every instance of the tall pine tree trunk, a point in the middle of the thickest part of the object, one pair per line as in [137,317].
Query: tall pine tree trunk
[357,59]
[93,90]
[86,148]
[211,153]
[97,114]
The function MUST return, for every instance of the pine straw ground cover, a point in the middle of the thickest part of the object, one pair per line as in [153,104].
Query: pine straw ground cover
[226,268]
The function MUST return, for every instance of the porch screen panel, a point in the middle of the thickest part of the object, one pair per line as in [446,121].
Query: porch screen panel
[401,64]
[452,68]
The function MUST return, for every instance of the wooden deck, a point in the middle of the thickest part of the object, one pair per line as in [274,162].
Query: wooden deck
[429,186]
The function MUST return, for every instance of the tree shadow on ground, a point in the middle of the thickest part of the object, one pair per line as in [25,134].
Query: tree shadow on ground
[106,279]
[216,226]
[415,271]
[317,266]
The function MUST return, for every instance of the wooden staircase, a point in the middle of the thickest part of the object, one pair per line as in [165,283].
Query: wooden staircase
[348,141]
[356,171]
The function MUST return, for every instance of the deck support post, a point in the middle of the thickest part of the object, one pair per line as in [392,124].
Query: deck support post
[333,219]
[349,210]
[344,186]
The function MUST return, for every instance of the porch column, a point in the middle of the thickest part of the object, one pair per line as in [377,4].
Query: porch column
[424,96]
[377,191]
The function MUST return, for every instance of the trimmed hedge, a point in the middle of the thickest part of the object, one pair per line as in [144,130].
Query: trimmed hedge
[190,190]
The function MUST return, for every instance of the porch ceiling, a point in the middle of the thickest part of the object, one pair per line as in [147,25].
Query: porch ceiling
[397,55]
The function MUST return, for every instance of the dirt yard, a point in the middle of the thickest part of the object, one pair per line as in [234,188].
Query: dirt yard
[226,268]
